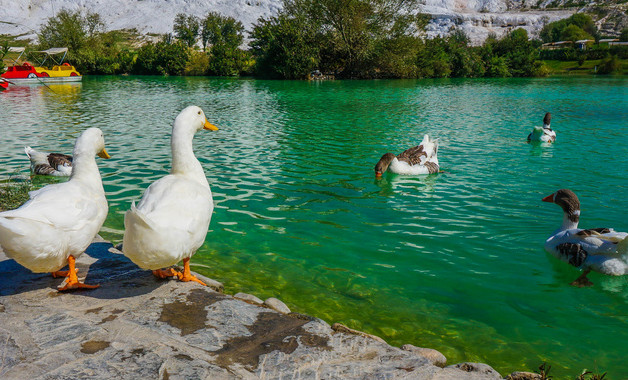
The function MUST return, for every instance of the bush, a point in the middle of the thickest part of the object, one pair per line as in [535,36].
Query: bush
[164,57]
[610,65]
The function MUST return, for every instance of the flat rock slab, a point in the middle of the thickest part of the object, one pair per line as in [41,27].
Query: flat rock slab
[137,327]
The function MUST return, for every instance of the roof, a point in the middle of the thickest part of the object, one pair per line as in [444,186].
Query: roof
[584,41]
[609,40]
[16,49]
[53,51]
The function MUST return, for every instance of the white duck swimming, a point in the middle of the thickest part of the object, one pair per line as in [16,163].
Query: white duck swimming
[55,164]
[171,220]
[59,221]
[544,133]
[600,249]
[421,159]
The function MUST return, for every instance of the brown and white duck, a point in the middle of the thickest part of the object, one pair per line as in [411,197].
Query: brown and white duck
[421,159]
[599,249]
[55,164]
[544,133]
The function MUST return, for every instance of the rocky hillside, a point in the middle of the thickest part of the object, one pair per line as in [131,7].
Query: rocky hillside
[477,18]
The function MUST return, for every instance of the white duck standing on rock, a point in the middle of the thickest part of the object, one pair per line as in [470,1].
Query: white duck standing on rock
[544,133]
[55,164]
[599,249]
[171,220]
[421,159]
[59,221]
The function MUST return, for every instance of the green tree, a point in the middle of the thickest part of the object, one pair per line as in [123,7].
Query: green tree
[224,35]
[164,57]
[624,35]
[574,33]
[186,28]
[283,48]
[553,31]
[355,30]
[69,29]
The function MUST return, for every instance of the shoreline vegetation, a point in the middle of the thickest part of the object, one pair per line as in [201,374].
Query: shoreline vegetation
[316,39]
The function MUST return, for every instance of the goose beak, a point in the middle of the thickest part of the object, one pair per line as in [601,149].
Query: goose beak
[378,174]
[209,126]
[103,154]
[549,198]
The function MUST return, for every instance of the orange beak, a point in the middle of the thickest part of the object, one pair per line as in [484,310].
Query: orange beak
[103,154]
[210,126]
[549,198]
[378,174]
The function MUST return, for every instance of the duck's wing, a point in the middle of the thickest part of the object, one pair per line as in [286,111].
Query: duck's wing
[57,160]
[413,155]
[65,206]
[174,203]
[598,241]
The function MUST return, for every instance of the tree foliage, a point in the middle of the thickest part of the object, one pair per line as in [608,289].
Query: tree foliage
[186,28]
[69,29]
[578,26]
[164,57]
[224,35]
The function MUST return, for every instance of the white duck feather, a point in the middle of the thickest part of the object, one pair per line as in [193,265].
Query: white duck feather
[59,220]
[171,220]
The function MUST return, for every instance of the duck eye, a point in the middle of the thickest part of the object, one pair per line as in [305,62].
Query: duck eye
[199,112]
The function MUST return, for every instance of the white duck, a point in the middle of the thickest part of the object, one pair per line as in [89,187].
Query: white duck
[600,249]
[171,220]
[421,159]
[55,164]
[59,221]
[544,133]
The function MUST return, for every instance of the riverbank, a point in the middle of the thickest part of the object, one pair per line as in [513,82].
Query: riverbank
[135,326]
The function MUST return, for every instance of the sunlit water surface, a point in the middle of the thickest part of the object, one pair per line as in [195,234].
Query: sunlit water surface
[452,261]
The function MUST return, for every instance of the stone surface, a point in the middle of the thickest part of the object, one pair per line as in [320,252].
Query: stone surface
[137,327]
[434,356]
[277,305]
[524,376]
[248,298]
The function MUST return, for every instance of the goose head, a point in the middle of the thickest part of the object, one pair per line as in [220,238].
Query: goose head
[191,120]
[91,143]
[547,120]
[570,204]
[383,164]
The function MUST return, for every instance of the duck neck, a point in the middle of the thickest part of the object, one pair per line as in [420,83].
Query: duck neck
[570,220]
[84,169]
[184,161]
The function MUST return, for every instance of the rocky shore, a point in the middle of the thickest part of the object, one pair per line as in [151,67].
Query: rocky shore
[137,327]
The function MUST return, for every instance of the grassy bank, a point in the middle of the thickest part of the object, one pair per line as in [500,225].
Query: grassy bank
[590,67]
[13,193]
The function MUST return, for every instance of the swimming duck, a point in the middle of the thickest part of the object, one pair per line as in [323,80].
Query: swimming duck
[171,220]
[600,249]
[544,133]
[421,159]
[59,221]
[55,164]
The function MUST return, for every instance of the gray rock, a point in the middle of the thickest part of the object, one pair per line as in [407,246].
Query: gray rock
[434,356]
[277,305]
[339,327]
[134,327]
[524,376]
[484,371]
[249,298]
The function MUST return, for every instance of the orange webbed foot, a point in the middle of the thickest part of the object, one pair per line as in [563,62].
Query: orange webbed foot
[76,285]
[187,275]
[165,273]
[190,277]
[72,281]
[62,273]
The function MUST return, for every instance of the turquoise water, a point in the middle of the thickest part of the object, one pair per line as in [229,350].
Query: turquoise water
[452,261]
